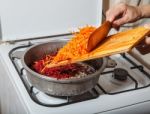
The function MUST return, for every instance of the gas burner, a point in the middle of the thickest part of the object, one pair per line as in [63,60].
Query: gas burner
[120,74]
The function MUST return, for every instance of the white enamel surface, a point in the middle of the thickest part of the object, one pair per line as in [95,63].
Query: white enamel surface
[23,19]
[119,103]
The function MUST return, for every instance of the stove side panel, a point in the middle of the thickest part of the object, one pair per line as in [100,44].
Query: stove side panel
[141,108]
[9,99]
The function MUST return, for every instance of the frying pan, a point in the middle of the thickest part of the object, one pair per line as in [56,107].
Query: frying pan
[61,87]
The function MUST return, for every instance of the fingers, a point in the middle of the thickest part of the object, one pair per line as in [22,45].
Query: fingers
[111,15]
[147,26]
[122,14]
[143,47]
[120,21]
[115,12]
[147,40]
[116,15]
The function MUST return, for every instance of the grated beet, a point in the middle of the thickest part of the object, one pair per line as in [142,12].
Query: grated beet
[61,72]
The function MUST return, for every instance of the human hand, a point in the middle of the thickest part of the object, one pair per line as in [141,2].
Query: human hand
[144,46]
[147,39]
[123,13]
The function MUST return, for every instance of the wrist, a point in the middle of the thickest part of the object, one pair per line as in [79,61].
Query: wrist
[144,10]
[139,10]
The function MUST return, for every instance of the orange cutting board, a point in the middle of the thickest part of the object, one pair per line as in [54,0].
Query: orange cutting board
[114,44]
[118,43]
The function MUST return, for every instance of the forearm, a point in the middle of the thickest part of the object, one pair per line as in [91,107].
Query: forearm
[145,11]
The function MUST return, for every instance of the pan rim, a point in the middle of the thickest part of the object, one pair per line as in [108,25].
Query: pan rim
[68,80]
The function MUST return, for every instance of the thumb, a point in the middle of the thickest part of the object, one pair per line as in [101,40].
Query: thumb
[147,40]
[120,21]
[147,26]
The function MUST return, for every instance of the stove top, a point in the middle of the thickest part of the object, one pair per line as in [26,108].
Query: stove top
[128,75]
[127,90]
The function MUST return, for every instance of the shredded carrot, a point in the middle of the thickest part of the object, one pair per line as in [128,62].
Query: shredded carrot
[76,47]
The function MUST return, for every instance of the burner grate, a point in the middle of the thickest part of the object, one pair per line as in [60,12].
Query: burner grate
[92,94]
[135,66]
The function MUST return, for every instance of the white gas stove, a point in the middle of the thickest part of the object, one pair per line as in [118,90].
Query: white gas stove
[124,89]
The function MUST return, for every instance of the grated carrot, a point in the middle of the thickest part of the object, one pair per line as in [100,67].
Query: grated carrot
[76,47]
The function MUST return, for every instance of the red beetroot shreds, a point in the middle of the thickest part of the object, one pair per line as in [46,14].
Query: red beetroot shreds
[38,66]
[60,72]
[75,48]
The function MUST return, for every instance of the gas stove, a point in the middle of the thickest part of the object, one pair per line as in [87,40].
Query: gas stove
[119,90]
[112,81]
